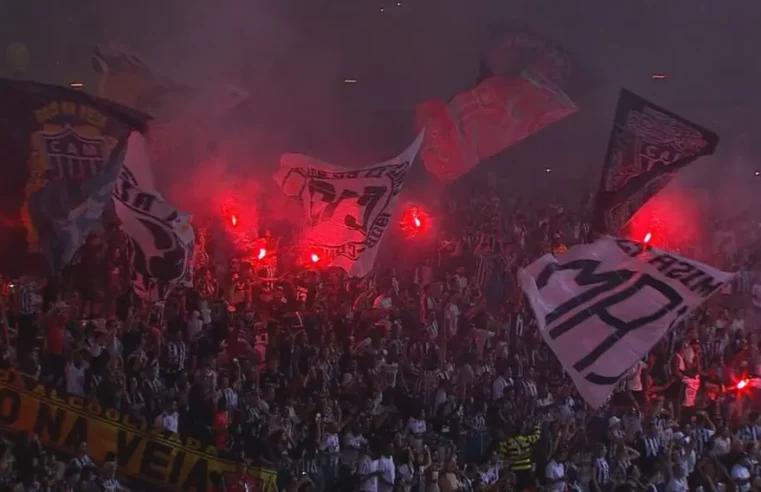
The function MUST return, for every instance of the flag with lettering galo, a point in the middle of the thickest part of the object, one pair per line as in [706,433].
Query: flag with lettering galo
[161,238]
[347,210]
[61,152]
[647,146]
[484,121]
[602,306]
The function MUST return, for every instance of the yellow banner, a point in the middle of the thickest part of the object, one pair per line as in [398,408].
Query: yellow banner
[143,453]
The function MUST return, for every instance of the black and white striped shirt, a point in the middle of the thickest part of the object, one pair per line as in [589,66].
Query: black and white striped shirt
[748,433]
[702,436]
[176,355]
[602,471]
[653,446]
[528,387]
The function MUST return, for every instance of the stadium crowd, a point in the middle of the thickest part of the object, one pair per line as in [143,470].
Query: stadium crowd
[423,379]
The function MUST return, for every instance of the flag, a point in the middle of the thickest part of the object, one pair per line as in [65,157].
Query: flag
[62,151]
[348,210]
[480,123]
[161,239]
[601,307]
[647,146]
[125,78]
[513,49]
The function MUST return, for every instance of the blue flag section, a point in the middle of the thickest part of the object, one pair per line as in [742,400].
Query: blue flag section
[62,150]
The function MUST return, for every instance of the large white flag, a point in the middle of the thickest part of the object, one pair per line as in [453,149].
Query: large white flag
[161,237]
[601,307]
[348,210]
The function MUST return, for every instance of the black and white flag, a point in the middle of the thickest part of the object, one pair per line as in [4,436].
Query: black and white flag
[348,210]
[602,306]
[161,239]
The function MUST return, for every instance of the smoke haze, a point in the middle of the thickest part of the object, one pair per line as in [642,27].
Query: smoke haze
[292,58]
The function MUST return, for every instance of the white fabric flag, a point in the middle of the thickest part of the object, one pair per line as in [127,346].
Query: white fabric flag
[602,306]
[348,209]
[161,237]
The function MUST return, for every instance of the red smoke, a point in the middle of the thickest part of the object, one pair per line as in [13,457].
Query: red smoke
[672,219]
[415,221]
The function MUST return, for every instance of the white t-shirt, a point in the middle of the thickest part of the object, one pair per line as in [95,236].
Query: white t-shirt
[330,443]
[498,387]
[367,467]
[677,485]
[75,379]
[554,471]
[387,467]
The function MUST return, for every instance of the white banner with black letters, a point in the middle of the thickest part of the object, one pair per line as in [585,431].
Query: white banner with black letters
[348,209]
[161,239]
[602,306]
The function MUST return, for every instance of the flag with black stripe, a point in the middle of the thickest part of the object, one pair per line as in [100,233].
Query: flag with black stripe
[648,145]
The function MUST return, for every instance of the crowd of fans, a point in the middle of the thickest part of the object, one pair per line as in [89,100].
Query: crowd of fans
[432,378]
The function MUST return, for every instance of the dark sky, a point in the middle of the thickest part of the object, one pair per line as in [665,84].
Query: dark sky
[293,55]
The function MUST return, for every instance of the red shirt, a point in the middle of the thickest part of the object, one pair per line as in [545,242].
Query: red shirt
[220,424]
[55,335]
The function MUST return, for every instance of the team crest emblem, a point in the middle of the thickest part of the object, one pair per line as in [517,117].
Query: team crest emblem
[73,157]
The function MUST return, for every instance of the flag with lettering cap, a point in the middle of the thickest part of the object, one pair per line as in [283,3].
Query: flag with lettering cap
[61,152]
[602,306]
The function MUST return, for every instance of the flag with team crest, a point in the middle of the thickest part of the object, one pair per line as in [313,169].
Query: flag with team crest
[61,152]
[348,210]
[161,238]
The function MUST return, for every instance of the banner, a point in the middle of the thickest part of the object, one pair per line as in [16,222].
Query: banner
[602,306]
[62,422]
[482,122]
[161,239]
[348,210]
[62,150]
[513,49]
[647,146]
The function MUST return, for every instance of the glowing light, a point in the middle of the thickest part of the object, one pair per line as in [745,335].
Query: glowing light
[234,220]
[659,76]
[417,222]
[547,170]
[350,81]
[757,173]
[648,237]
[262,253]
[77,85]
[742,384]
[314,258]
[382,10]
